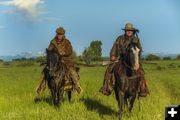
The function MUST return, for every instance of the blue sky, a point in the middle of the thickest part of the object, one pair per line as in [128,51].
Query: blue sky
[29,25]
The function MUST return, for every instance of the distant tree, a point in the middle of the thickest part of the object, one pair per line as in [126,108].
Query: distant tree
[143,58]
[6,63]
[31,59]
[93,52]
[1,60]
[80,58]
[24,59]
[105,58]
[152,57]
[74,56]
[167,58]
[96,49]
[178,57]
[87,55]
[19,59]
[41,59]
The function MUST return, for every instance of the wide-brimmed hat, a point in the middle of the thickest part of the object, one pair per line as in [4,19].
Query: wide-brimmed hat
[60,30]
[129,27]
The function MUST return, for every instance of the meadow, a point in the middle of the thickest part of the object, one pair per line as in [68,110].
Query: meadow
[19,101]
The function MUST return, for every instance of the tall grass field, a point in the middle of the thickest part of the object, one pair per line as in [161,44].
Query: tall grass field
[19,101]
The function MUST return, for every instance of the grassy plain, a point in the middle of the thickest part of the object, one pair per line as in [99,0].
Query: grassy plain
[19,80]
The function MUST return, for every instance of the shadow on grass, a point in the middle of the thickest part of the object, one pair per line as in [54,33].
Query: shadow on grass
[44,99]
[94,105]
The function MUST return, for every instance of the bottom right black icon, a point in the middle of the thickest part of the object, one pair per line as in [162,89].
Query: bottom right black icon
[172,112]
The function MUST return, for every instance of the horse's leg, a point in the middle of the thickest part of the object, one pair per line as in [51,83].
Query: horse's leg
[53,96]
[139,103]
[60,96]
[126,101]
[132,102]
[116,93]
[121,103]
[57,98]
[69,96]
[56,92]
[120,99]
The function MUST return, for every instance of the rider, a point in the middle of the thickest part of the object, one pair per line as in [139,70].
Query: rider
[117,50]
[63,47]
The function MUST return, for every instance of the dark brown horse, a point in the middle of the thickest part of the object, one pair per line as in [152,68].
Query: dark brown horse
[55,75]
[126,79]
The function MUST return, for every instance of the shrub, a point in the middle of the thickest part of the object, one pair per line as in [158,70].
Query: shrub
[172,65]
[160,67]
[6,63]
[152,57]
[167,58]
[1,60]
[25,64]
[178,57]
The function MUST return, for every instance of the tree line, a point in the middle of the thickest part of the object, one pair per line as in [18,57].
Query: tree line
[93,55]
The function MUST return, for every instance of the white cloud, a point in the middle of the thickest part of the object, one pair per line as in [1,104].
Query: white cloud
[29,6]
[29,10]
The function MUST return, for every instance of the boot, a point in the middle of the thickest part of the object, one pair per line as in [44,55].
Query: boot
[41,87]
[76,84]
[144,91]
[105,91]
[75,79]
[108,84]
[78,89]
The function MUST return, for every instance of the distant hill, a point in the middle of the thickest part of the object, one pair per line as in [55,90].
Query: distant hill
[161,55]
[21,55]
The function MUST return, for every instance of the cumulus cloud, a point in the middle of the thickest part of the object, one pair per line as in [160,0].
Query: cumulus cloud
[28,10]
[28,6]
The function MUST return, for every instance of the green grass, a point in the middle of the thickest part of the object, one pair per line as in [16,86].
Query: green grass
[17,95]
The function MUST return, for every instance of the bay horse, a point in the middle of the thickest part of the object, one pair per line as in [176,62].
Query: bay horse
[127,79]
[55,76]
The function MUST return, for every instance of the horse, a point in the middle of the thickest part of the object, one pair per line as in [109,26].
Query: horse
[126,78]
[55,76]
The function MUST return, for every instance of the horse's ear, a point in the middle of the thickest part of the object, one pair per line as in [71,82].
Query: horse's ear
[47,51]
[137,48]
[132,49]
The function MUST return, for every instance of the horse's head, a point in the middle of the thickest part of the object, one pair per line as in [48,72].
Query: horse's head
[132,56]
[53,59]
